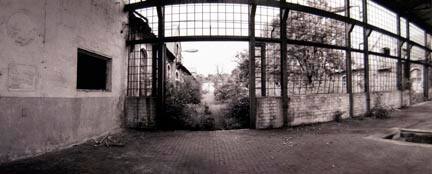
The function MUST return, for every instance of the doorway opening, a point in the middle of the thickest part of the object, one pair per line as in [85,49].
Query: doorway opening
[207,85]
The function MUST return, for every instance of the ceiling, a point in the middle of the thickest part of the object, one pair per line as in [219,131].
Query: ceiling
[417,11]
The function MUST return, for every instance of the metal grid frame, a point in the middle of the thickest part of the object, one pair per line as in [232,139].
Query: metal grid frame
[331,33]
[417,34]
[382,72]
[141,79]
[151,15]
[323,72]
[267,22]
[206,19]
[382,17]
[357,72]
[381,43]
[366,27]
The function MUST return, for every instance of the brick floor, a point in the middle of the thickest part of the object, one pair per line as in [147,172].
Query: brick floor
[325,148]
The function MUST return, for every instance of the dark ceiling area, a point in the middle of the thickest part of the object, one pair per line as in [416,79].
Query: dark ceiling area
[417,11]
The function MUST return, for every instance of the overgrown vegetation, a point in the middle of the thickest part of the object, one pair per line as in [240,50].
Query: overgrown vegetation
[234,92]
[182,105]
[379,111]
[338,116]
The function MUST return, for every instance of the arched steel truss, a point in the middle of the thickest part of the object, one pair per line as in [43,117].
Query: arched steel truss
[403,41]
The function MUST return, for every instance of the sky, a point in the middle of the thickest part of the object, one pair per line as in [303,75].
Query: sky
[212,54]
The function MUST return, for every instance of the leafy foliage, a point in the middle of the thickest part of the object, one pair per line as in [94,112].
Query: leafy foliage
[179,98]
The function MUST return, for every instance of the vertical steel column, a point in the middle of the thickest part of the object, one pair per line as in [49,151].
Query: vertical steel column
[263,69]
[407,67]
[348,30]
[426,71]
[252,95]
[399,55]
[366,33]
[284,74]
[161,59]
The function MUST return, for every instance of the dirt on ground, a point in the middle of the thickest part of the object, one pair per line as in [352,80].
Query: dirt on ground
[345,147]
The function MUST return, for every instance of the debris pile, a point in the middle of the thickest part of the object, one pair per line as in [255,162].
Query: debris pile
[108,141]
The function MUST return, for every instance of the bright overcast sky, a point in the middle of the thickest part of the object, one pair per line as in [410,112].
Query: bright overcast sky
[212,54]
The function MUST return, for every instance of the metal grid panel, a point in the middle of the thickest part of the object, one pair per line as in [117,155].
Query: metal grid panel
[152,17]
[273,70]
[313,28]
[417,53]
[417,34]
[358,75]
[258,70]
[429,41]
[382,43]
[382,74]
[404,51]
[403,27]
[206,19]
[357,38]
[313,70]
[269,66]
[356,9]
[335,6]
[135,1]
[416,78]
[140,71]
[267,22]
[381,17]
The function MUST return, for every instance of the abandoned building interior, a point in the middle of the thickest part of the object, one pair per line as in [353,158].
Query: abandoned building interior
[72,70]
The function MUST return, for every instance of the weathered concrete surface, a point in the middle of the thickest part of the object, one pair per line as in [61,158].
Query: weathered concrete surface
[41,109]
[36,125]
[325,148]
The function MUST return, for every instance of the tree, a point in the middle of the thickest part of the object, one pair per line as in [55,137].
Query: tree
[306,63]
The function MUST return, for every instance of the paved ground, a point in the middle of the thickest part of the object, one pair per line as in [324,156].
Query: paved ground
[325,148]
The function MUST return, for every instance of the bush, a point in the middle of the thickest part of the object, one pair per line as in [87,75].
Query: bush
[379,112]
[237,116]
[208,123]
[338,116]
[182,102]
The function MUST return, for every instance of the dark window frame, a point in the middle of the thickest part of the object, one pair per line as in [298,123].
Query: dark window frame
[108,70]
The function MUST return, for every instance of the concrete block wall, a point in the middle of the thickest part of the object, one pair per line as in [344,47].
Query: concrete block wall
[430,93]
[359,105]
[141,112]
[392,99]
[40,108]
[306,109]
[416,97]
[269,113]
[316,108]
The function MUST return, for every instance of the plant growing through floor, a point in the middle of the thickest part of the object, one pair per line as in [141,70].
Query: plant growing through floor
[338,116]
[379,110]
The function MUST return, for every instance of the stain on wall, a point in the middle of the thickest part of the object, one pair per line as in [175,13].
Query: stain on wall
[22,77]
[21,29]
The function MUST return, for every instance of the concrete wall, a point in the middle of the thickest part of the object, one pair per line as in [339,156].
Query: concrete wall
[269,113]
[40,108]
[141,112]
[316,108]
